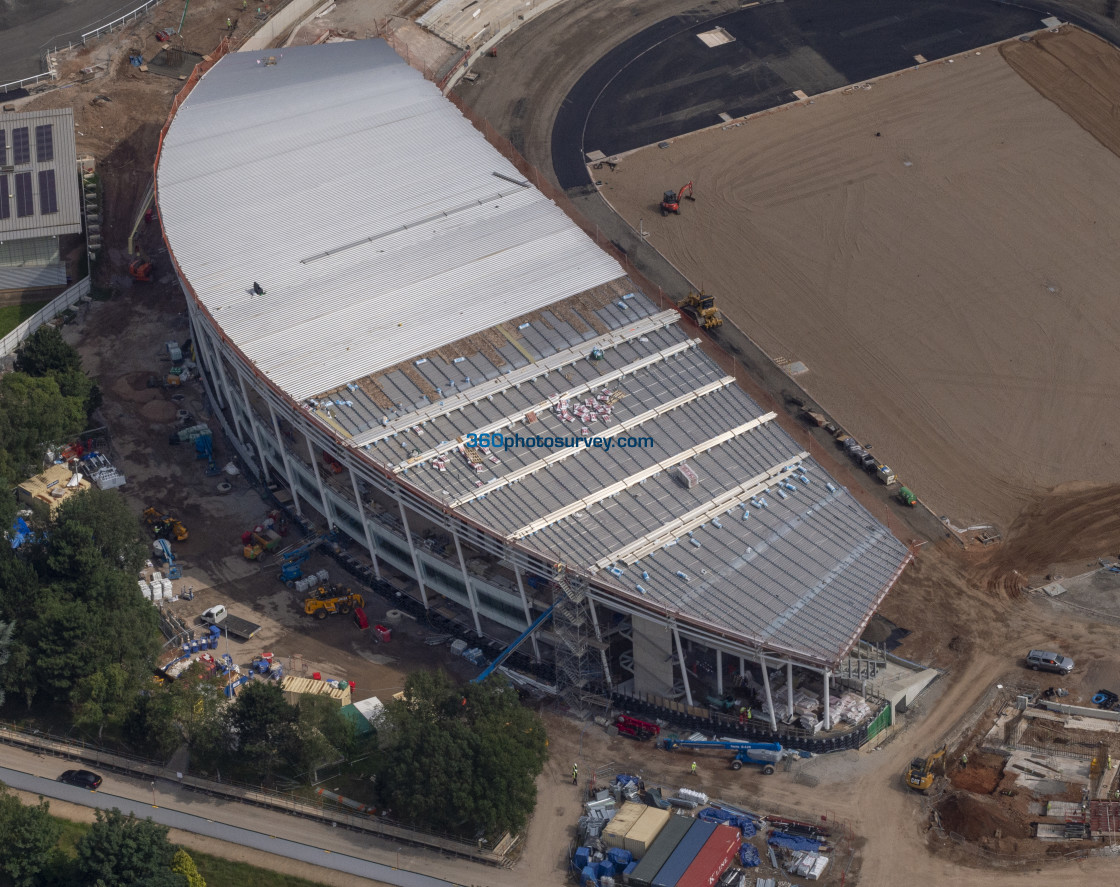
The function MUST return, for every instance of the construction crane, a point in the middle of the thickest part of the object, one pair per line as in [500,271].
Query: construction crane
[702,308]
[671,201]
[921,774]
[505,654]
[761,754]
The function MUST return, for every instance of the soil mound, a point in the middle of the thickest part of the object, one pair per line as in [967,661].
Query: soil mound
[975,818]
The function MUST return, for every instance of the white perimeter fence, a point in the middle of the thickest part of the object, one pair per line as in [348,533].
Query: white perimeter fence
[48,312]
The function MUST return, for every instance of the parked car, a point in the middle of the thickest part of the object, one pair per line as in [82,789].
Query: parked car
[1043,660]
[81,778]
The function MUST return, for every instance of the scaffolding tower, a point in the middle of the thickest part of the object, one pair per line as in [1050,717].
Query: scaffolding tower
[579,642]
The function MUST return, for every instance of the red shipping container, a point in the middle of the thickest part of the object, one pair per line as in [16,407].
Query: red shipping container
[713,859]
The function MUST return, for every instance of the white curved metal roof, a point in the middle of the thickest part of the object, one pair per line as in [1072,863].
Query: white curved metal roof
[379,223]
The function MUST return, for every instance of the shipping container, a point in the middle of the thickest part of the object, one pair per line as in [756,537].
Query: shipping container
[615,832]
[713,859]
[645,831]
[675,829]
[686,851]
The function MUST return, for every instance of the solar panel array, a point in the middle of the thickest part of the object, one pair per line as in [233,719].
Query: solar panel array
[21,146]
[44,143]
[39,193]
[25,200]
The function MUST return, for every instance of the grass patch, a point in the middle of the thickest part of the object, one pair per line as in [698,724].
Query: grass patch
[12,316]
[216,871]
[220,872]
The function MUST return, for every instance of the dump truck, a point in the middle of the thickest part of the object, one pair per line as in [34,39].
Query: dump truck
[258,543]
[240,628]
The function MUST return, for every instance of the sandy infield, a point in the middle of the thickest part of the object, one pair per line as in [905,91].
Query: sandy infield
[939,249]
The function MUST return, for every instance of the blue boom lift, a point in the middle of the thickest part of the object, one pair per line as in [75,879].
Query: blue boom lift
[505,654]
[760,754]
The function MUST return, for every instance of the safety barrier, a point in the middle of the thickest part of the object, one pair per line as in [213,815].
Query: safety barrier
[47,313]
[120,22]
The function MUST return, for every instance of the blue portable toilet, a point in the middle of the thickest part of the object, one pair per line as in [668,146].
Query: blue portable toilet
[194,646]
[582,858]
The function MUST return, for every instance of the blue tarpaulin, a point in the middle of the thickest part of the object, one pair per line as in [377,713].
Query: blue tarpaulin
[793,842]
[748,856]
[744,823]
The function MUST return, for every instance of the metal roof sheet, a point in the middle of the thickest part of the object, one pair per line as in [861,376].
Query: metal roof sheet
[51,149]
[379,223]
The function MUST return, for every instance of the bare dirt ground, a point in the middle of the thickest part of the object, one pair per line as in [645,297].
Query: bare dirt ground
[934,248]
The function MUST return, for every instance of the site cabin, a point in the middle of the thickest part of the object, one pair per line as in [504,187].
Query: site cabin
[241,628]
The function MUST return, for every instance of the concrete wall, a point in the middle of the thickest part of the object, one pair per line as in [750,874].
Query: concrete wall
[1081,711]
[277,24]
[653,662]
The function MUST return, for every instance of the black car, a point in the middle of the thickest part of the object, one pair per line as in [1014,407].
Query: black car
[81,778]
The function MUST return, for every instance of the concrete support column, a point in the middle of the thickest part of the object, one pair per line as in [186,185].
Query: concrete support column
[528,612]
[412,551]
[327,513]
[789,686]
[253,427]
[467,581]
[227,392]
[719,672]
[284,456]
[769,698]
[827,700]
[365,524]
[684,667]
[742,667]
[206,354]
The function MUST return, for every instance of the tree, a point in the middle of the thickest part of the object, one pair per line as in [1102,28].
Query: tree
[460,759]
[30,836]
[92,528]
[102,699]
[45,352]
[34,414]
[5,650]
[323,735]
[120,851]
[184,865]
[264,724]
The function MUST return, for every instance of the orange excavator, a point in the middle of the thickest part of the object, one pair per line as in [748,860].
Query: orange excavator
[140,269]
[671,201]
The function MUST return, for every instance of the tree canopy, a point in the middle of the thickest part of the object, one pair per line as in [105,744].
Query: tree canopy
[120,851]
[81,633]
[460,759]
[29,837]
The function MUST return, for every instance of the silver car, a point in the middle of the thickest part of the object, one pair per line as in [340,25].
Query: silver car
[1043,660]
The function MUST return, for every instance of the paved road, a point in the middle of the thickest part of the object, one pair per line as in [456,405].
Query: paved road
[28,28]
[276,833]
[665,81]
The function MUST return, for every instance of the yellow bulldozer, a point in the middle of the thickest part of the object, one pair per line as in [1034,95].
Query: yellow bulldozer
[322,607]
[165,526]
[921,773]
[702,308]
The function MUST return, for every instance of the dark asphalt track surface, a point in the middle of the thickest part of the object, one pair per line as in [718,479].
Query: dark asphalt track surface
[222,831]
[29,28]
[665,82]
